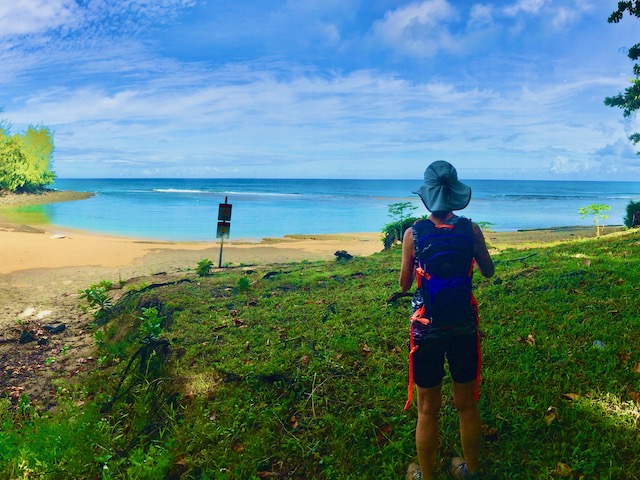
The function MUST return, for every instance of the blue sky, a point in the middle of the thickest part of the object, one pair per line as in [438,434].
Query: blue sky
[507,89]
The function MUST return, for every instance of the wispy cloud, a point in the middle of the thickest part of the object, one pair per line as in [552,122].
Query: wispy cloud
[37,16]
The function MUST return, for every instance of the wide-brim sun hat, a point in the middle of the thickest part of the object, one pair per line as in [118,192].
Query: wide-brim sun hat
[442,191]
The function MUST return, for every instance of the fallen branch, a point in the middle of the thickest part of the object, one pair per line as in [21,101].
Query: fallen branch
[521,259]
[398,295]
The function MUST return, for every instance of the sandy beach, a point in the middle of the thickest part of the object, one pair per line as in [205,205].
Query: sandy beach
[39,264]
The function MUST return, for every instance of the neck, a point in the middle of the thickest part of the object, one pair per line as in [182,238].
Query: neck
[438,219]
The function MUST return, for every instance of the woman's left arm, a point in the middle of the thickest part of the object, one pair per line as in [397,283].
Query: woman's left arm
[481,253]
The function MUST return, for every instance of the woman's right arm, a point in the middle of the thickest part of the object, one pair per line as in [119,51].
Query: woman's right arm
[407,270]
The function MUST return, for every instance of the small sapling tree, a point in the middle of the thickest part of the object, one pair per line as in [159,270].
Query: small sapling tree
[486,226]
[595,210]
[399,212]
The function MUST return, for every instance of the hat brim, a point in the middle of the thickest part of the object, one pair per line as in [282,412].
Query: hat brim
[442,198]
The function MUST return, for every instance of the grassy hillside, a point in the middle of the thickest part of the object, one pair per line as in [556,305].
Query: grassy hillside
[299,371]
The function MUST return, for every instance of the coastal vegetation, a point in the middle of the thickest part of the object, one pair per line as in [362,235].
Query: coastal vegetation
[25,159]
[299,371]
[595,210]
[401,220]
[632,209]
[629,101]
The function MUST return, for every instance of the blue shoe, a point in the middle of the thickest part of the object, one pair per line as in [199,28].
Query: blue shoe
[459,470]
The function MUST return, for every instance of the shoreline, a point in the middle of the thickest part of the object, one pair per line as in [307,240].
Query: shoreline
[10,199]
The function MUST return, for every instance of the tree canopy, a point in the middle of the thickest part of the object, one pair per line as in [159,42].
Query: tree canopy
[25,159]
[629,101]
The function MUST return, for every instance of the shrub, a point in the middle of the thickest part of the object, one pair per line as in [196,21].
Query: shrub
[204,267]
[392,232]
[98,299]
[632,209]
[244,284]
[150,324]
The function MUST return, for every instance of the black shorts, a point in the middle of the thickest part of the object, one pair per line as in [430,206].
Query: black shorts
[462,354]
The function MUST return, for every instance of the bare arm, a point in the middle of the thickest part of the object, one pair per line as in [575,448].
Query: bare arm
[481,254]
[407,271]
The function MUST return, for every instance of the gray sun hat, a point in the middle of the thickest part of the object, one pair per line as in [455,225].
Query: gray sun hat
[442,191]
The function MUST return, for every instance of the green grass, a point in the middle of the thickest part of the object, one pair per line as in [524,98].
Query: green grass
[302,374]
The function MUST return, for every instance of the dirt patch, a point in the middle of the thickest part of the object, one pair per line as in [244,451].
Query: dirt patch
[53,338]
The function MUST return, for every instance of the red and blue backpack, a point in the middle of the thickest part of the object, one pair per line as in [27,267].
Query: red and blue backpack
[444,268]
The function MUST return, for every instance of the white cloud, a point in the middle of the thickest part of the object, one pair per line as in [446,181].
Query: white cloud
[40,17]
[621,150]
[331,34]
[558,16]
[562,165]
[36,16]
[418,28]
[481,16]
[526,6]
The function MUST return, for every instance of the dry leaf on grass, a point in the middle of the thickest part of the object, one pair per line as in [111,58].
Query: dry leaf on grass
[238,448]
[564,470]
[365,350]
[267,474]
[304,360]
[384,434]
[529,340]
[551,415]
[489,433]
[570,396]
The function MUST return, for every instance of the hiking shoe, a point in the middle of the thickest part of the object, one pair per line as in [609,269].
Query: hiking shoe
[414,472]
[459,470]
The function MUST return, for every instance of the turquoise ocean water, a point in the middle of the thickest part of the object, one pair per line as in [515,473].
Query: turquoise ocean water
[187,209]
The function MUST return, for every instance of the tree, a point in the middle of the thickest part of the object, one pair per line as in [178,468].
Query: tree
[392,232]
[629,101]
[397,210]
[25,160]
[595,210]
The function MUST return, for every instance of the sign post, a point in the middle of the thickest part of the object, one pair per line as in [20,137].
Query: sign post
[224,225]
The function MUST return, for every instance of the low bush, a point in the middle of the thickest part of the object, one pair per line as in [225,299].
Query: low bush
[632,209]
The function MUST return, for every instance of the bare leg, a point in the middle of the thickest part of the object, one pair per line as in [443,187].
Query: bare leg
[427,438]
[470,422]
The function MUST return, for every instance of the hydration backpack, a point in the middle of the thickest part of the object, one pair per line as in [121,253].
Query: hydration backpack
[444,266]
